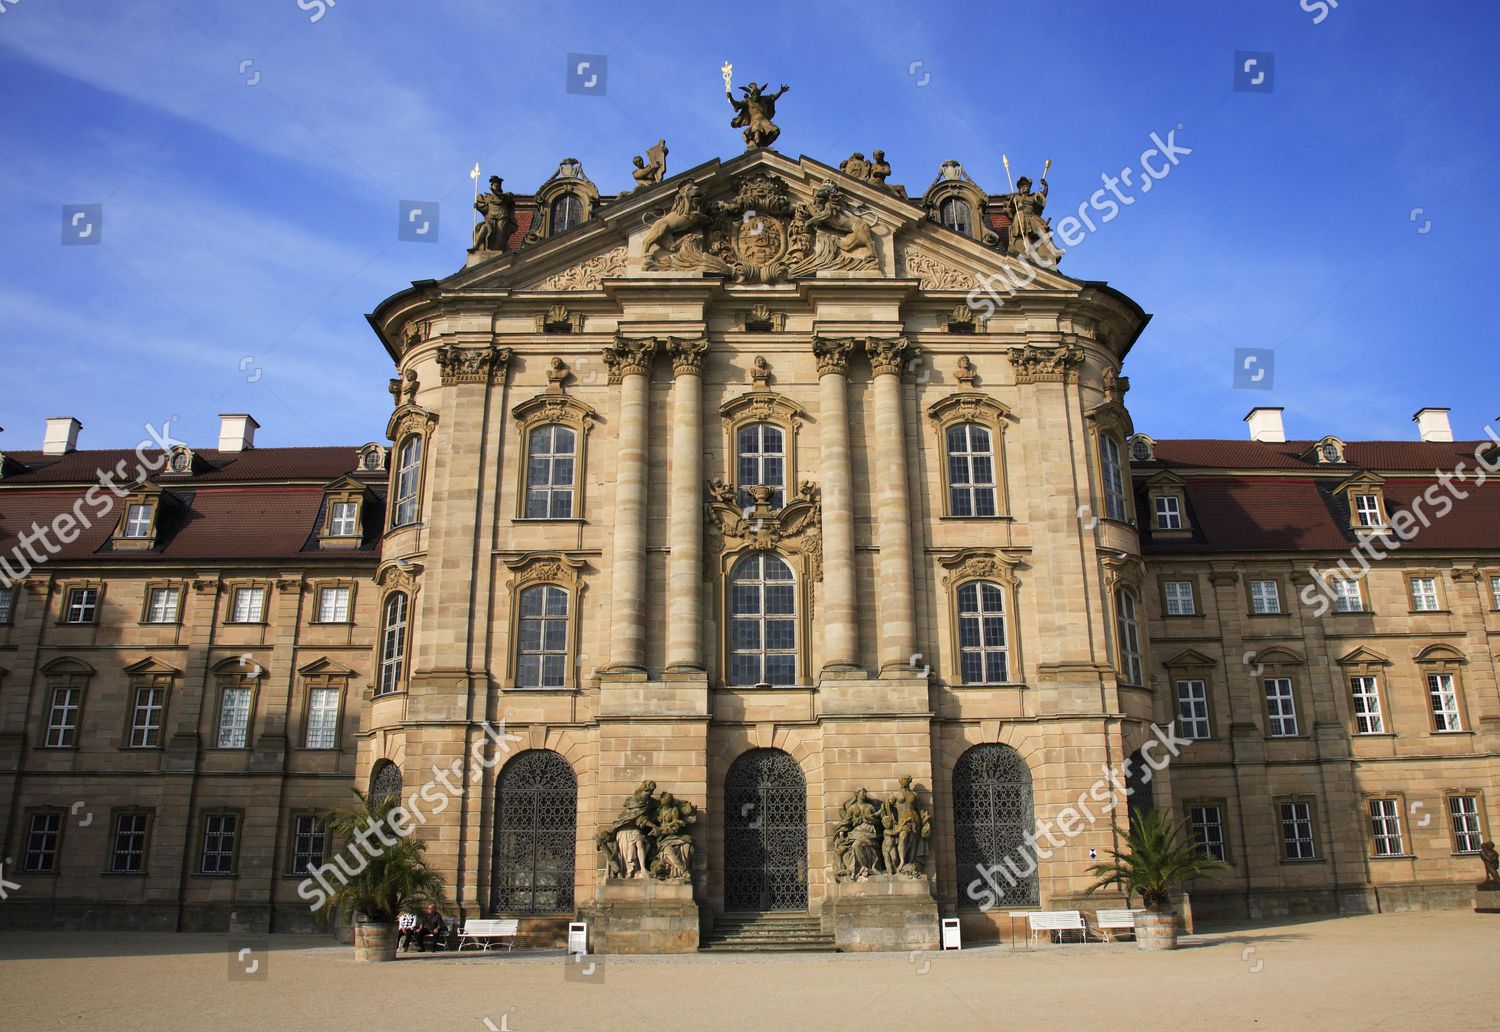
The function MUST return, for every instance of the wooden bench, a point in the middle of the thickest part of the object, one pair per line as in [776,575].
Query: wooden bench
[1107,921]
[482,933]
[1057,921]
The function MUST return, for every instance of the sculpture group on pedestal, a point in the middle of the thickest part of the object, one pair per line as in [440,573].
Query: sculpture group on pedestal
[886,838]
[649,838]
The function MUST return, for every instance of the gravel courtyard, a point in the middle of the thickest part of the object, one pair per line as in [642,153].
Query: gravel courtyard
[1429,971]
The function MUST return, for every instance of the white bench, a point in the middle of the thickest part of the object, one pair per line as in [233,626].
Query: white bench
[482,933]
[1114,920]
[1057,921]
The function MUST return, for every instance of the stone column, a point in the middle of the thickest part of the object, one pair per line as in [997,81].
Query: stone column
[840,621]
[685,514]
[629,362]
[896,591]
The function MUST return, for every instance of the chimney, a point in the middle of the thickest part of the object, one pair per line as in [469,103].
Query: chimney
[62,435]
[236,431]
[1265,425]
[1432,424]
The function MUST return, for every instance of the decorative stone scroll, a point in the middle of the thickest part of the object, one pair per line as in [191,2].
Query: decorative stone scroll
[629,355]
[888,838]
[979,564]
[472,365]
[587,275]
[1045,365]
[795,529]
[935,274]
[559,319]
[649,837]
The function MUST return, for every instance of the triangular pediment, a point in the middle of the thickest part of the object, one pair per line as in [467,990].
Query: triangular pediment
[150,665]
[1363,656]
[329,667]
[1190,658]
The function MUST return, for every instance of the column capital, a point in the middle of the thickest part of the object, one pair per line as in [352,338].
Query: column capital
[629,355]
[485,364]
[890,354]
[832,354]
[687,355]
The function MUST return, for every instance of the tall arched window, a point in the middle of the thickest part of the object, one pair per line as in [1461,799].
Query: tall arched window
[971,471]
[536,835]
[408,481]
[983,655]
[762,460]
[385,782]
[763,621]
[1128,635]
[1113,475]
[550,465]
[992,815]
[393,644]
[567,212]
[542,639]
[957,215]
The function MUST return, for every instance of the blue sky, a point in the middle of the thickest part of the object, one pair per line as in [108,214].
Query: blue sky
[248,228]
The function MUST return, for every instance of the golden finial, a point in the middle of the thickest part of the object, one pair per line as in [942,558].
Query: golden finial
[728,71]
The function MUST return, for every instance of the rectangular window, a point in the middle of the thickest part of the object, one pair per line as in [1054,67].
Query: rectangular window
[234,718]
[344,520]
[83,605]
[1424,596]
[1347,597]
[1265,597]
[1192,709]
[219,830]
[1179,596]
[1297,832]
[138,521]
[1464,812]
[161,605]
[7,604]
[1207,821]
[322,718]
[1114,479]
[971,471]
[1130,637]
[1367,716]
[333,605]
[249,605]
[1444,696]
[1281,707]
[62,718]
[1168,514]
[1495,591]
[129,853]
[309,842]
[42,835]
[1385,827]
[146,716]
[1367,510]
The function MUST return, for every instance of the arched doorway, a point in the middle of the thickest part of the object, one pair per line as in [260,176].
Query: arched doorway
[536,835]
[765,833]
[992,812]
[385,782]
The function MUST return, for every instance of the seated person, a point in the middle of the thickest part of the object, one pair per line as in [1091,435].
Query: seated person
[406,930]
[432,930]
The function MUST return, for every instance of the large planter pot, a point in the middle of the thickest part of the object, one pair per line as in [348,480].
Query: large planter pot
[374,941]
[1156,930]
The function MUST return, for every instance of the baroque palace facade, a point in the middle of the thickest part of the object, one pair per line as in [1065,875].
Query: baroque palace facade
[726,484]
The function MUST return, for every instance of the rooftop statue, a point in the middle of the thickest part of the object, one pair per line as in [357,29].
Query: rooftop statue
[498,207]
[1030,233]
[754,114]
[651,169]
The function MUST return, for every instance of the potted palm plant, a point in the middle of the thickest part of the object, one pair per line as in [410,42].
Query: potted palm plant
[1159,857]
[382,881]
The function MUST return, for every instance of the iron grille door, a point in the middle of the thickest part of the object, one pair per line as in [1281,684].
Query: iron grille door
[536,833]
[992,812]
[765,833]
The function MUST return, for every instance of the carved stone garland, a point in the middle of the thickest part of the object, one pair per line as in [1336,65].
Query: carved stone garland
[473,365]
[795,529]
[1045,365]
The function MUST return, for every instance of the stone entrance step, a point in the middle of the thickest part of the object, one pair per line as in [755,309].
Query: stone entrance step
[779,931]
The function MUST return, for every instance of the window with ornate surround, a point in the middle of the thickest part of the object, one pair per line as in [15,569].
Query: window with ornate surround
[1110,427]
[982,587]
[325,686]
[344,503]
[760,428]
[249,602]
[554,430]
[567,199]
[546,589]
[1364,493]
[140,523]
[967,484]
[1191,674]
[1426,592]
[955,201]
[410,429]
[1123,576]
[333,600]
[67,682]
[80,602]
[150,695]
[397,616]
[1441,670]
[1279,684]
[1167,496]
[1364,674]
[236,685]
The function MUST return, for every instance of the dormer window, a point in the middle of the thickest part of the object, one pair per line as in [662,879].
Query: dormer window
[344,519]
[180,461]
[1367,510]
[956,214]
[372,459]
[567,212]
[138,520]
[1168,513]
[343,525]
[1328,452]
[1142,449]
